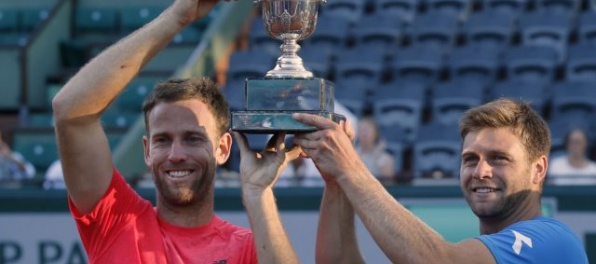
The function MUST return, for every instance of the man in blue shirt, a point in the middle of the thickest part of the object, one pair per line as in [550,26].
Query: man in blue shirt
[504,163]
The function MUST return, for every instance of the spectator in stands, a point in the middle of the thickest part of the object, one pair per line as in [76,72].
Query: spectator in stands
[300,172]
[13,166]
[371,149]
[186,139]
[504,164]
[574,167]
[54,178]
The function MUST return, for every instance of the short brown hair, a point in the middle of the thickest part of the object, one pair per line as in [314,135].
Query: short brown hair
[201,89]
[517,115]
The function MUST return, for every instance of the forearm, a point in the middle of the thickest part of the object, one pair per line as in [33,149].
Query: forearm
[105,76]
[400,234]
[271,242]
[336,234]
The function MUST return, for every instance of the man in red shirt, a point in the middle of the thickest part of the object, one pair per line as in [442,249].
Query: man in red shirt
[186,125]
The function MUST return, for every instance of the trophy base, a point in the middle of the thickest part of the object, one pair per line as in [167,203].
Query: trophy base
[269,122]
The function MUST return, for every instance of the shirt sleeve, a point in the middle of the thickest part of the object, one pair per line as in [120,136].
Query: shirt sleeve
[119,206]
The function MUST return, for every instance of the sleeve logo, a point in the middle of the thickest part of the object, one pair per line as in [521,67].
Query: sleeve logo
[519,241]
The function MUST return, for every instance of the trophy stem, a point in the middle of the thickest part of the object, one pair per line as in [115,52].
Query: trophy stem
[289,64]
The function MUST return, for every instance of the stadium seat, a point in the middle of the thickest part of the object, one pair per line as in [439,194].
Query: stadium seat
[399,105]
[417,63]
[114,118]
[9,21]
[32,18]
[451,99]
[575,100]
[331,33]
[318,61]
[513,7]
[234,92]
[406,10]
[457,8]
[489,28]
[260,39]
[360,64]
[434,29]
[586,27]
[559,127]
[38,147]
[546,28]
[132,18]
[537,94]
[382,31]
[474,64]
[96,20]
[437,151]
[348,9]
[188,36]
[249,64]
[353,95]
[132,98]
[581,65]
[531,63]
[41,120]
[561,6]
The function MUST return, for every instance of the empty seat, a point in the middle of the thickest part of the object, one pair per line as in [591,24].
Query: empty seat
[399,105]
[261,40]
[474,64]
[489,28]
[434,29]
[132,18]
[457,8]
[581,65]
[234,92]
[114,118]
[360,64]
[41,120]
[560,6]
[349,9]
[531,63]
[318,61]
[38,147]
[32,18]
[9,20]
[249,64]
[546,28]
[437,151]
[96,20]
[380,31]
[133,96]
[353,95]
[451,99]
[574,100]
[514,7]
[586,27]
[331,33]
[537,94]
[406,10]
[417,63]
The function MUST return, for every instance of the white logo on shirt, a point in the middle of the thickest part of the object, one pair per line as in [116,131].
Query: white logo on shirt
[519,239]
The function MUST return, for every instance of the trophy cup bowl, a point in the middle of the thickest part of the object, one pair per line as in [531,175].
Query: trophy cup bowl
[288,88]
[289,21]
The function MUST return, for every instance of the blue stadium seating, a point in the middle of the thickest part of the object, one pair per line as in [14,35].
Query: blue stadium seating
[474,64]
[260,39]
[434,29]
[581,65]
[360,64]
[490,29]
[318,61]
[132,18]
[513,7]
[437,151]
[417,63]
[399,104]
[537,94]
[546,28]
[249,64]
[404,9]
[531,63]
[9,20]
[560,6]
[457,8]
[32,18]
[574,100]
[382,31]
[353,95]
[234,93]
[331,33]
[349,9]
[451,99]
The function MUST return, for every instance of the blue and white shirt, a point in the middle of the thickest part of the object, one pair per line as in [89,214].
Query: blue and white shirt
[540,240]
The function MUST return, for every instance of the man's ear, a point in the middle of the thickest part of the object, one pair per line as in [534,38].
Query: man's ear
[146,150]
[540,170]
[223,148]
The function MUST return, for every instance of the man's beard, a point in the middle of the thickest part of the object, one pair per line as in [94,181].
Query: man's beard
[505,207]
[187,195]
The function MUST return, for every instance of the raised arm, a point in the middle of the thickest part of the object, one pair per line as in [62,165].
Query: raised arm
[83,145]
[401,235]
[258,173]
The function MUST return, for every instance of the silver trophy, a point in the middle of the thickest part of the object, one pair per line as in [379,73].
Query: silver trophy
[289,87]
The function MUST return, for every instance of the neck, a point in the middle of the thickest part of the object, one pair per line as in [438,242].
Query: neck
[523,212]
[192,215]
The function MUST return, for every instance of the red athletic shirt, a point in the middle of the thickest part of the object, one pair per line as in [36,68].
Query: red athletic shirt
[125,228]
